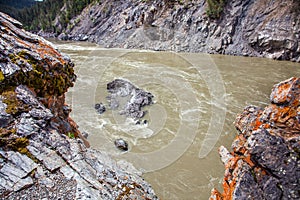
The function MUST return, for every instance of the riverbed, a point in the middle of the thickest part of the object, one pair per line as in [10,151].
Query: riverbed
[197,97]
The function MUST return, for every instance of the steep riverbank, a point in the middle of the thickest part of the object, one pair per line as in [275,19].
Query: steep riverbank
[264,161]
[250,28]
[42,153]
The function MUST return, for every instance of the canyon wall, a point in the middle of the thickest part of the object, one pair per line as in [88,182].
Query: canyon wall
[261,28]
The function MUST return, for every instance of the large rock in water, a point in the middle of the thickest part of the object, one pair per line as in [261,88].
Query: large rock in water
[41,153]
[265,160]
[135,98]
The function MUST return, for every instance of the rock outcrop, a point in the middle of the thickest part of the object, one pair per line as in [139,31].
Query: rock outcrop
[265,159]
[42,153]
[133,98]
[246,27]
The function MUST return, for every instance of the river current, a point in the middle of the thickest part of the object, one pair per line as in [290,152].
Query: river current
[197,98]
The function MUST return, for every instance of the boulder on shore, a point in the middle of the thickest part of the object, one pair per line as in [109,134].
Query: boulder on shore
[265,159]
[42,153]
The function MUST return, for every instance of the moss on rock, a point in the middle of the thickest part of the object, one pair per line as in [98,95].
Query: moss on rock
[9,141]
[14,106]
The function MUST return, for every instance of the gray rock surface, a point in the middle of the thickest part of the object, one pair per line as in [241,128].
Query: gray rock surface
[121,144]
[246,27]
[4,117]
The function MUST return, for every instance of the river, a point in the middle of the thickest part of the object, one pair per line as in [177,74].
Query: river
[197,98]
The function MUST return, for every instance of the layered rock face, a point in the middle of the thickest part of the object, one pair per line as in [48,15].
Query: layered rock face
[41,153]
[265,159]
[246,27]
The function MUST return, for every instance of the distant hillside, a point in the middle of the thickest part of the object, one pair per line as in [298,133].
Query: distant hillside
[12,7]
[51,15]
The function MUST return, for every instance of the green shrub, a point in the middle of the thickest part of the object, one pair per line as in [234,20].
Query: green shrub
[215,8]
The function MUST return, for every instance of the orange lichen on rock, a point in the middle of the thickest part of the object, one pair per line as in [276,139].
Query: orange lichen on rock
[215,195]
[284,92]
[228,190]
[247,159]
[266,151]
[30,60]
[257,124]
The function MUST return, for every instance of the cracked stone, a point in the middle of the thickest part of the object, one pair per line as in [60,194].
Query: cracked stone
[4,117]
[50,159]
[22,161]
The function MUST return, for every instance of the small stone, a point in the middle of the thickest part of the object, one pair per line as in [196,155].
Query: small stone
[85,134]
[121,144]
[100,108]
[41,113]
[225,155]
[283,92]
[131,186]
[14,173]
[26,126]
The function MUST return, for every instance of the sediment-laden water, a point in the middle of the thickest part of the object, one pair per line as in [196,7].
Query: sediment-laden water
[197,97]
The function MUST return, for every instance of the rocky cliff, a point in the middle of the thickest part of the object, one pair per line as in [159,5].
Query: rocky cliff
[265,159]
[42,153]
[261,28]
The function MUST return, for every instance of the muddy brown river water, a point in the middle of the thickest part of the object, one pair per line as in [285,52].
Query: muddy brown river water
[197,97]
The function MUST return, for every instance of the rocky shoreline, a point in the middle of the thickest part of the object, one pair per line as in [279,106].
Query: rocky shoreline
[245,28]
[42,153]
[265,159]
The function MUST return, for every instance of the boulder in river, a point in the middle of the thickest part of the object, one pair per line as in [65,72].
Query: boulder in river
[121,144]
[135,98]
[100,108]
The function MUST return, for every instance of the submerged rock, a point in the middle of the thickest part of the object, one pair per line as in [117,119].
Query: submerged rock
[42,153]
[100,108]
[135,99]
[264,162]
